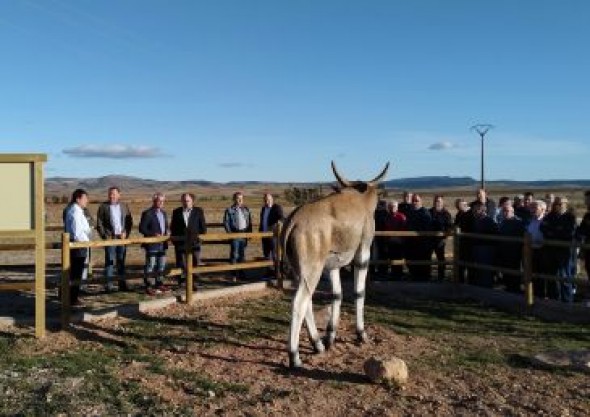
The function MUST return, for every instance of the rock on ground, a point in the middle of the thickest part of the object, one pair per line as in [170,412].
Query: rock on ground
[386,370]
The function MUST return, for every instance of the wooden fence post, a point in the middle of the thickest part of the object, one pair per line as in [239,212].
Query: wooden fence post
[188,258]
[65,280]
[278,253]
[527,268]
[456,256]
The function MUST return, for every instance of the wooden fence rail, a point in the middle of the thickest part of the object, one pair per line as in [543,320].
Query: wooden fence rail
[526,273]
[191,270]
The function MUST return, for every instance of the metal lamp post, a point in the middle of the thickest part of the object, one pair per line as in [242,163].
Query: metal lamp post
[481,130]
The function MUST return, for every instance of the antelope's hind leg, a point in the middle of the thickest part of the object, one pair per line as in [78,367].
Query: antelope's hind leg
[335,309]
[298,313]
[314,338]
[361,266]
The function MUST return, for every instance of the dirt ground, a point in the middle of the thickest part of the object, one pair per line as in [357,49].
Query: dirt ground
[227,357]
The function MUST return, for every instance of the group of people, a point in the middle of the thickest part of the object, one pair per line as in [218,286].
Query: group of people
[544,219]
[114,222]
[411,215]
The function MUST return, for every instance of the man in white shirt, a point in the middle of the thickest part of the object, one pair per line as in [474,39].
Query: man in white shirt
[80,231]
[190,217]
[537,208]
[237,219]
[114,221]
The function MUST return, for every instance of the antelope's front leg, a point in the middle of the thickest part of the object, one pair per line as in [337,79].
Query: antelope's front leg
[335,310]
[360,277]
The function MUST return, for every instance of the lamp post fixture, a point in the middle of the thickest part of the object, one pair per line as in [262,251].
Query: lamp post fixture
[481,130]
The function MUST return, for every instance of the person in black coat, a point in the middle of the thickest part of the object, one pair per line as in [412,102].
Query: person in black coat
[441,222]
[509,255]
[560,224]
[187,217]
[482,250]
[464,223]
[406,204]
[380,248]
[270,214]
[153,223]
[488,203]
[583,233]
[419,248]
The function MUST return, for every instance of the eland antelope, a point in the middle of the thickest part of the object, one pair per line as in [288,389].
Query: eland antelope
[328,234]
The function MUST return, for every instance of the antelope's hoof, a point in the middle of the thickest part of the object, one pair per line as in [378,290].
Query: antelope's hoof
[329,341]
[362,337]
[295,361]
[318,346]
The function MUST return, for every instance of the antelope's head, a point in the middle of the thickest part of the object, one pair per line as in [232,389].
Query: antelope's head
[369,187]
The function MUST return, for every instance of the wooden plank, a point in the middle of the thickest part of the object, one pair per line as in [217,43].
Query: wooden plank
[39,223]
[16,246]
[278,255]
[527,266]
[65,281]
[233,267]
[492,268]
[230,236]
[17,286]
[117,242]
[456,256]
[27,246]
[18,234]
[493,238]
[188,258]
[23,157]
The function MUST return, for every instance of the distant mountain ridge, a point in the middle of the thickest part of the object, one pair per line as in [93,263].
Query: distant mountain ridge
[60,185]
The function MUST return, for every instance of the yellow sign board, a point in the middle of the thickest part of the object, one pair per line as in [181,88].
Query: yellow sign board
[17,211]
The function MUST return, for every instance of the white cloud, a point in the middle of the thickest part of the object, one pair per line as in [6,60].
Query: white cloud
[234,165]
[113,151]
[441,146]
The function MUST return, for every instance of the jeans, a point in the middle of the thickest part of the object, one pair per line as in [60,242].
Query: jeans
[112,255]
[237,250]
[154,262]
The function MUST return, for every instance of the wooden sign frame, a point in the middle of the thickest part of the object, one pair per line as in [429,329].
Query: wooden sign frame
[25,218]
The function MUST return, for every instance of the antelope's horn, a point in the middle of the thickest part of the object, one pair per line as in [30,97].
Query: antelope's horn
[379,177]
[341,180]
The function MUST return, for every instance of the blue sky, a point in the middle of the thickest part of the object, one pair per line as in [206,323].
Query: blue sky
[273,90]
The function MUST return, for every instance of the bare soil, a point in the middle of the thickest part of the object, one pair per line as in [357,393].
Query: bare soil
[228,357]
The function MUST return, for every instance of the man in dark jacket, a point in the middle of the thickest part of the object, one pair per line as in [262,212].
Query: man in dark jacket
[464,223]
[419,248]
[270,214]
[380,249]
[509,255]
[560,224]
[154,222]
[114,221]
[406,204]
[482,250]
[187,216]
[488,203]
[583,233]
[441,222]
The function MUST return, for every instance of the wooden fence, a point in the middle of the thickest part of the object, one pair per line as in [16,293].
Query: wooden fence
[456,261]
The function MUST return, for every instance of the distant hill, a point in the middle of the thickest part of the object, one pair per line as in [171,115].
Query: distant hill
[64,186]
